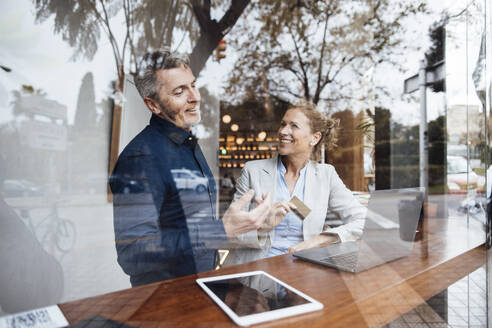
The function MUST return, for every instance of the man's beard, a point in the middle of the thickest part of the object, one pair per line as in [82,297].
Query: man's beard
[172,115]
[167,112]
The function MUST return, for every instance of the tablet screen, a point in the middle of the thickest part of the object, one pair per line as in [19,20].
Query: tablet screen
[254,294]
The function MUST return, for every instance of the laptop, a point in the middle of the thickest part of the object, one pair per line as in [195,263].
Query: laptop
[389,230]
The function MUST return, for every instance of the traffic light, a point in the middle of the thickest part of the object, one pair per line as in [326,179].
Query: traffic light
[220,50]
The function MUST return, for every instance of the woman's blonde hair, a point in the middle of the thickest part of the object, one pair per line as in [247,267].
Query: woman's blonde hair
[319,122]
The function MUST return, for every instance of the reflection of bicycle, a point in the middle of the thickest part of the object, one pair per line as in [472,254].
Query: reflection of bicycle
[55,231]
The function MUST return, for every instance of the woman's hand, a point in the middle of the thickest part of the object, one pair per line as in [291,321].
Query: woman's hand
[317,241]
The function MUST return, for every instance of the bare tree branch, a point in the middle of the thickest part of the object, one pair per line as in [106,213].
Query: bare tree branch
[321,60]
[104,21]
[171,22]
[296,73]
[283,88]
[126,12]
[111,35]
[302,65]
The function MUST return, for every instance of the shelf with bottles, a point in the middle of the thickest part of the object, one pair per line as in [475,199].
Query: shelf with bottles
[239,160]
[240,143]
[231,165]
[246,153]
[236,150]
[246,157]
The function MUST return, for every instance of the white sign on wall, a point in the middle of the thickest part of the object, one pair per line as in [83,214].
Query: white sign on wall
[39,105]
[45,135]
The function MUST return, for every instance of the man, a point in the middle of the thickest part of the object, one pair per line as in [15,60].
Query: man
[164,192]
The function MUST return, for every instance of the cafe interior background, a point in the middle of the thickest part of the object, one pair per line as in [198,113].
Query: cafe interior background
[68,106]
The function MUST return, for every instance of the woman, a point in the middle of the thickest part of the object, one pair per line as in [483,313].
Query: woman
[295,172]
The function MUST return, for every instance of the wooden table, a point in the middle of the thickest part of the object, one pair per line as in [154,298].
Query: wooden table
[447,251]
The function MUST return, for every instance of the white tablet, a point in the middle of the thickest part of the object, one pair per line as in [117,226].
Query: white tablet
[254,297]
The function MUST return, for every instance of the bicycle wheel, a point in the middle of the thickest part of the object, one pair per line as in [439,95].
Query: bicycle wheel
[65,235]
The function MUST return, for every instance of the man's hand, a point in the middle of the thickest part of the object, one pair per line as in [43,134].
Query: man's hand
[236,221]
[276,215]
[318,241]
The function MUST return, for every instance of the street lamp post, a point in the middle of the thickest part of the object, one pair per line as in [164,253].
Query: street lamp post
[427,75]
[423,135]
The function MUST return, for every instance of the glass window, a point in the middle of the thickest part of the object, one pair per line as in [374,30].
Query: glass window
[110,179]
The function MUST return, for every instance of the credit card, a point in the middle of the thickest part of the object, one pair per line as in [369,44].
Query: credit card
[302,211]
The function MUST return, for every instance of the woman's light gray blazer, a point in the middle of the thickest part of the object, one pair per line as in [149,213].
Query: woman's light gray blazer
[323,191]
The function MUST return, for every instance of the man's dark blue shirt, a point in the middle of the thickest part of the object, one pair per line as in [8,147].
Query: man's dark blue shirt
[164,200]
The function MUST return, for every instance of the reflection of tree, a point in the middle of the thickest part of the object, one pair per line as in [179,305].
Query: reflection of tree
[437,34]
[404,155]
[85,113]
[382,148]
[437,155]
[87,138]
[149,24]
[81,24]
[397,153]
[435,53]
[315,50]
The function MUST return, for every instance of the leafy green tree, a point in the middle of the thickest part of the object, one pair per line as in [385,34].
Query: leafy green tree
[149,24]
[314,50]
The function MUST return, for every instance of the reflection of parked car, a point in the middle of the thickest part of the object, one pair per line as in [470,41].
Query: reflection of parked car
[460,178]
[187,179]
[19,188]
[197,173]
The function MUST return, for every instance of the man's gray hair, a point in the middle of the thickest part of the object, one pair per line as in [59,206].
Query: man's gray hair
[146,81]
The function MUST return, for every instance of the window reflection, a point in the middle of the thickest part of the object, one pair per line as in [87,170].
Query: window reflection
[63,102]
